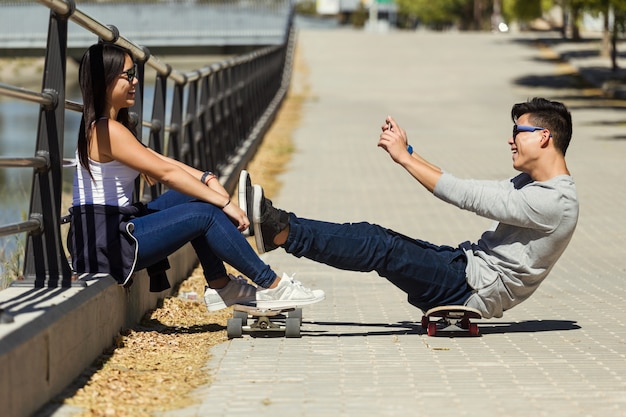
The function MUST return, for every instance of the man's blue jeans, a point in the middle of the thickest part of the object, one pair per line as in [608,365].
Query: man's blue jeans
[431,275]
[175,219]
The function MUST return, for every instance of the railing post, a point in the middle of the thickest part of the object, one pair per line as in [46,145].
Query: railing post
[204,123]
[176,149]
[191,125]
[44,250]
[157,124]
[136,111]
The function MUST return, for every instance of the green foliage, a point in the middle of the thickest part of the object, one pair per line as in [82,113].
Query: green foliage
[523,10]
[359,16]
[307,7]
[437,14]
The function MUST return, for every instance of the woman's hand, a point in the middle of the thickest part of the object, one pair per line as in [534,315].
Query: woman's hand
[237,215]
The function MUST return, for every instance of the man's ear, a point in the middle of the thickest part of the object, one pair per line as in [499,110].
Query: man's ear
[545,138]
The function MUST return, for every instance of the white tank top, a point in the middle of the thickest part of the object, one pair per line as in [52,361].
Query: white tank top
[112,184]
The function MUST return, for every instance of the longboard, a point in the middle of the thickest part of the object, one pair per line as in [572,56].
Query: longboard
[287,320]
[451,318]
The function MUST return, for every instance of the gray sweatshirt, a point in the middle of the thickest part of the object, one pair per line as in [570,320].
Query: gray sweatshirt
[534,222]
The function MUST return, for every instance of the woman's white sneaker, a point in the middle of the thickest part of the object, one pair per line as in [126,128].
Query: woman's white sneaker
[237,291]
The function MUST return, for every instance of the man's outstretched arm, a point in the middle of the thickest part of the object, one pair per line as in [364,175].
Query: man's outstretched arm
[393,139]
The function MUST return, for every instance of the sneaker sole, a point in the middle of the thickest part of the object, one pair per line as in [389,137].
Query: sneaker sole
[216,307]
[256,218]
[245,187]
[277,304]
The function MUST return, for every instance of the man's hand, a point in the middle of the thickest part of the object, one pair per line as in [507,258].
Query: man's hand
[393,139]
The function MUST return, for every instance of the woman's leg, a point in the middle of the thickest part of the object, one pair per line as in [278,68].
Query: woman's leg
[175,219]
[431,275]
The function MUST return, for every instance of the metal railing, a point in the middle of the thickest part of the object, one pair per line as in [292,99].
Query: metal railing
[215,112]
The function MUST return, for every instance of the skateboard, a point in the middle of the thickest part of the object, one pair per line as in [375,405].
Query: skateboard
[451,319]
[286,320]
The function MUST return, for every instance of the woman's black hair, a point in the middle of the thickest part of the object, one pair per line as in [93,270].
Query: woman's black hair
[100,66]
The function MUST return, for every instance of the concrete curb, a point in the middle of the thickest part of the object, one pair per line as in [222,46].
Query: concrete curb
[57,333]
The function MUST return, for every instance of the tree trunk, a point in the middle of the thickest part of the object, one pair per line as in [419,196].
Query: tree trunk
[605,47]
[614,65]
[575,27]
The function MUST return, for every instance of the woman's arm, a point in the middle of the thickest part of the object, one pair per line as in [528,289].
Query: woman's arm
[116,142]
[211,181]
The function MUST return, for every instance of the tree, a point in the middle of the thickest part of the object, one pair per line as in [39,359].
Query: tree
[440,14]
[614,19]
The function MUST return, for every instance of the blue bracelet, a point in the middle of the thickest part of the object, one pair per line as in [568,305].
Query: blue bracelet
[409,149]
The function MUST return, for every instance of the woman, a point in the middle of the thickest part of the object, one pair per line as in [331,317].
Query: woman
[109,234]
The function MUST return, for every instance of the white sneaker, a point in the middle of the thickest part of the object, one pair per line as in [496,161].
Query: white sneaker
[237,291]
[288,293]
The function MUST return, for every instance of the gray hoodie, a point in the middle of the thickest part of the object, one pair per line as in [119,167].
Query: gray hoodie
[534,222]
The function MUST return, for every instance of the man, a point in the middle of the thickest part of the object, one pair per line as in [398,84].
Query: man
[535,215]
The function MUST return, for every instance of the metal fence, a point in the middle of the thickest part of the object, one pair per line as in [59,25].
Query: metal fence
[218,114]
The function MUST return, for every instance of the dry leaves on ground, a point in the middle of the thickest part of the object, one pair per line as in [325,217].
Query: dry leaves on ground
[157,364]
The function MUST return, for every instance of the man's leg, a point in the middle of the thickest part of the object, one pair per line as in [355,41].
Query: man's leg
[431,275]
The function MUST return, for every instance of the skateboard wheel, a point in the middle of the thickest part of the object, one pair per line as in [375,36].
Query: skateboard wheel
[473,329]
[465,323]
[241,315]
[234,328]
[296,314]
[432,329]
[425,321]
[292,327]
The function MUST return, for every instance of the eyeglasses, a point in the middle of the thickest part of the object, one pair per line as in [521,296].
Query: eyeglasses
[131,73]
[522,128]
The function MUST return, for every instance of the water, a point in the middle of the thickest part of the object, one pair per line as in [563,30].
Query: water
[18,136]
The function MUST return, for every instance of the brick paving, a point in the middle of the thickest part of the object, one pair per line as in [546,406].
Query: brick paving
[561,353]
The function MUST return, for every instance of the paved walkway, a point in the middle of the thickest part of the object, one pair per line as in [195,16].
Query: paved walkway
[363,353]
[561,353]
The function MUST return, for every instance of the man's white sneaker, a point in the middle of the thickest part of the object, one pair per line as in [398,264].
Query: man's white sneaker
[246,198]
[268,221]
[237,291]
[288,293]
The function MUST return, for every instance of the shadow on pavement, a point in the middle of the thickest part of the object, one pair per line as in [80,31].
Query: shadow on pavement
[403,328]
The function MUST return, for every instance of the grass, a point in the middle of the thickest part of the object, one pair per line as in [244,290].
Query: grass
[12,256]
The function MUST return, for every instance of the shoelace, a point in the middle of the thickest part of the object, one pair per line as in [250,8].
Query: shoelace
[299,284]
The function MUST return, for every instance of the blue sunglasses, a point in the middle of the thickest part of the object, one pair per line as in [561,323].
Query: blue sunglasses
[522,128]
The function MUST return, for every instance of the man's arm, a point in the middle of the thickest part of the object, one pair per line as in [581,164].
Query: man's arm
[393,139]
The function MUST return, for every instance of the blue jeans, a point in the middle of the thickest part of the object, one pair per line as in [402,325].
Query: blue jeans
[431,275]
[175,219]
